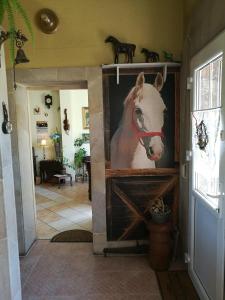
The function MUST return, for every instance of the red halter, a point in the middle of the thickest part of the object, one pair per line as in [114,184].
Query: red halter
[140,133]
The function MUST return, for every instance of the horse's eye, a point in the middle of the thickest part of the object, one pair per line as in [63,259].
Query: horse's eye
[138,111]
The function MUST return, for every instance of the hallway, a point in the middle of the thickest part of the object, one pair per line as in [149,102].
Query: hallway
[69,271]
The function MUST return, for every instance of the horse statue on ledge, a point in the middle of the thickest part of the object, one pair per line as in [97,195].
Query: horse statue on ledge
[118,47]
[150,56]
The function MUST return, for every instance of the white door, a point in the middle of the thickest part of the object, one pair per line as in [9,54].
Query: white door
[207,176]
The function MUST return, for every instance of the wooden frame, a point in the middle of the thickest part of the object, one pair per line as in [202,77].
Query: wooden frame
[85,117]
[135,202]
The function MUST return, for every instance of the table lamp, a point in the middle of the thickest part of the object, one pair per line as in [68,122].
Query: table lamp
[43,144]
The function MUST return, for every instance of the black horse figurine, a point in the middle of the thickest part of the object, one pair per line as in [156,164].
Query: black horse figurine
[119,47]
[150,56]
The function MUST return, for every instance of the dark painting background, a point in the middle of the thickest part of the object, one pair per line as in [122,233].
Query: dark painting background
[117,95]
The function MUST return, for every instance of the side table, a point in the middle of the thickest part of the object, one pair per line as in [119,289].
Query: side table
[63,176]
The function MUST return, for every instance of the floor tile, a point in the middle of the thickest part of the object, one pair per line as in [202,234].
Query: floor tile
[48,217]
[44,231]
[62,209]
[69,271]
[61,224]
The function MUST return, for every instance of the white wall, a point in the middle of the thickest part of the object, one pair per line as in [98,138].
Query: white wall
[37,99]
[73,101]
[10,286]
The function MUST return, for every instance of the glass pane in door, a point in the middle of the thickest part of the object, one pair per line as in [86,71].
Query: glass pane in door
[206,128]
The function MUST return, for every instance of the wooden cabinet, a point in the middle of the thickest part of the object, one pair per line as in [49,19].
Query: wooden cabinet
[130,188]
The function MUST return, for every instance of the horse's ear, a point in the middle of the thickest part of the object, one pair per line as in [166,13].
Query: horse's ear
[140,80]
[158,84]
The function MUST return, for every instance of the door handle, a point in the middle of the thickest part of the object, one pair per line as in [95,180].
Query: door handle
[214,196]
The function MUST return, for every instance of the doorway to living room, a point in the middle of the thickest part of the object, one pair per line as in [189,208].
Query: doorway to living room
[59,123]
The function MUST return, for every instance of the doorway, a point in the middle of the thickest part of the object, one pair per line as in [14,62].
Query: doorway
[206,223]
[56,78]
[59,122]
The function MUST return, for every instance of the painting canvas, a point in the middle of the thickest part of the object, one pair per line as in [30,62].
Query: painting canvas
[142,121]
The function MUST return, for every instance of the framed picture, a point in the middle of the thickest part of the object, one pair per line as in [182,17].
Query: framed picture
[85,117]
[126,121]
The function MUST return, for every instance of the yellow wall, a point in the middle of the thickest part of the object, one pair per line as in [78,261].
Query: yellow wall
[188,7]
[84,24]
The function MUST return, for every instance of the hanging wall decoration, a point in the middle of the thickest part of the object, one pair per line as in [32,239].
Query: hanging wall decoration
[202,136]
[37,110]
[141,124]
[6,125]
[136,142]
[48,101]
[47,21]
[85,118]
[66,125]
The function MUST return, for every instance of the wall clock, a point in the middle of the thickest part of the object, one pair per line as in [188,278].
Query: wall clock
[48,101]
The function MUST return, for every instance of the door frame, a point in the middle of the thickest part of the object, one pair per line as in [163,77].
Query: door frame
[210,51]
[71,78]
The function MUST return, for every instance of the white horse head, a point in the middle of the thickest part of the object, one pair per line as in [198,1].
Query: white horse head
[148,115]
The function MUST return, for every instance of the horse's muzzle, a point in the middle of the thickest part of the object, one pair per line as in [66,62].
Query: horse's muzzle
[151,155]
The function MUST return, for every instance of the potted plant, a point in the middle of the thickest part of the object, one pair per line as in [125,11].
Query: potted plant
[159,211]
[79,155]
[11,8]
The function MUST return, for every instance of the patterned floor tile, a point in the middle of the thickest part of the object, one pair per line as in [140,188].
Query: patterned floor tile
[62,209]
[61,224]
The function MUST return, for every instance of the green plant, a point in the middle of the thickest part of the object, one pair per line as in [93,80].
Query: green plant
[79,157]
[79,154]
[11,8]
[67,163]
[78,142]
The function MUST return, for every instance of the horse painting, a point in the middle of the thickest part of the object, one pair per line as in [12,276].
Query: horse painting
[137,143]
[118,47]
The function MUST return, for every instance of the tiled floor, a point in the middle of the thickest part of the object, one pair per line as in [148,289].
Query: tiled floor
[69,271]
[62,209]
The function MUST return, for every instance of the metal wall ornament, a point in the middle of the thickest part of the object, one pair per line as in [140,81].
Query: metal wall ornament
[66,124]
[20,39]
[47,21]
[6,125]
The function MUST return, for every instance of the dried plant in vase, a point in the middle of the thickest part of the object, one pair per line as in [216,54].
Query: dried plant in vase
[159,211]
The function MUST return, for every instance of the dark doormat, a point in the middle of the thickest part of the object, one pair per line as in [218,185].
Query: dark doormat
[176,285]
[73,236]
